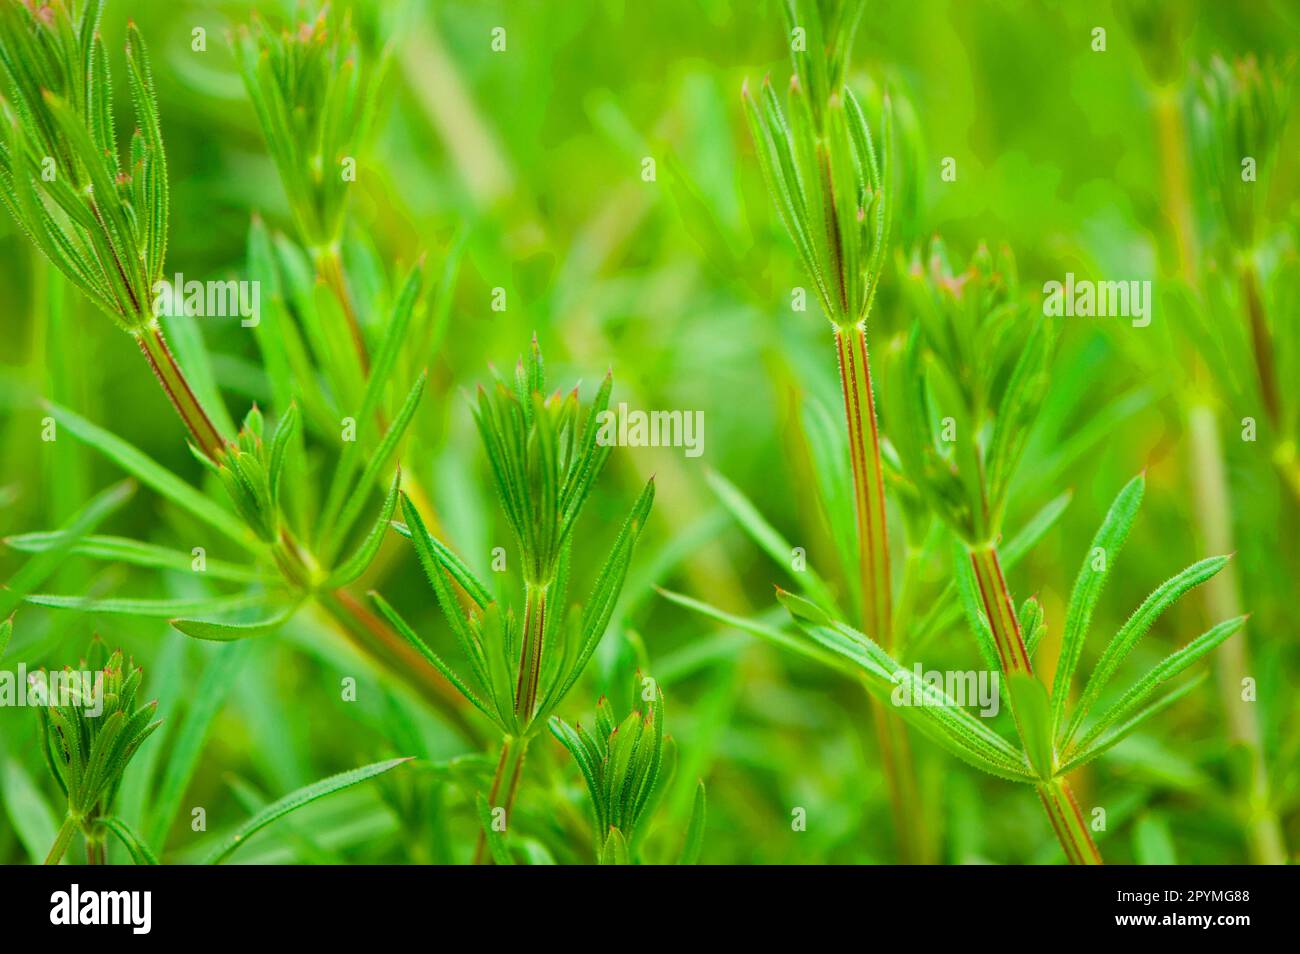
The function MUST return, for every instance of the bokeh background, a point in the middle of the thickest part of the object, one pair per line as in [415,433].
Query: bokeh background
[529,163]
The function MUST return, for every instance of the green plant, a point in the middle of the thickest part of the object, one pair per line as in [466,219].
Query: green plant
[1054,737]
[623,765]
[314,91]
[544,457]
[105,227]
[834,196]
[88,733]
[966,392]
[91,730]
[101,221]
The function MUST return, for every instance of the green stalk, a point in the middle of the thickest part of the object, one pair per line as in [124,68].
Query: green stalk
[873,564]
[178,391]
[1210,483]
[1068,822]
[505,785]
[868,481]
[998,607]
[329,265]
[1210,487]
[530,651]
[1261,341]
[1058,800]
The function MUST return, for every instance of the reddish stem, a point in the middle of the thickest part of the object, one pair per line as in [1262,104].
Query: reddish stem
[178,391]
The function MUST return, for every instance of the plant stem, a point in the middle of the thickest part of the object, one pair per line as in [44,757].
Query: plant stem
[1261,341]
[873,566]
[1172,141]
[169,375]
[868,481]
[96,851]
[1068,822]
[329,264]
[1210,486]
[1210,480]
[369,634]
[530,651]
[1000,610]
[505,785]
[1058,800]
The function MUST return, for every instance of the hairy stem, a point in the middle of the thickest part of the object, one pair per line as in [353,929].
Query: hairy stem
[1058,800]
[868,482]
[1068,822]
[178,391]
[1000,610]
[873,566]
[505,785]
[530,650]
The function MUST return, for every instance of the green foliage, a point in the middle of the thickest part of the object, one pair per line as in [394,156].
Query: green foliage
[101,220]
[622,763]
[1238,119]
[968,388]
[883,125]
[88,735]
[820,164]
[296,800]
[314,90]
[544,463]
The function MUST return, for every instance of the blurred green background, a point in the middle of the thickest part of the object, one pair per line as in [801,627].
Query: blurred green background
[533,157]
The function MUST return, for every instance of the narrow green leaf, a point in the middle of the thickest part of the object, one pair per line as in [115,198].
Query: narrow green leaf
[767,537]
[1134,628]
[36,570]
[296,800]
[1033,717]
[1081,755]
[365,552]
[141,854]
[154,475]
[694,830]
[228,632]
[33,819]
[136,553]
[1129,705]
[153,607]
[1087,588]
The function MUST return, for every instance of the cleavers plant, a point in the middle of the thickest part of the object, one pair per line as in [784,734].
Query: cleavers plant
[544,456]
[625,769]
[104,224]
[89,731]
[833,194]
